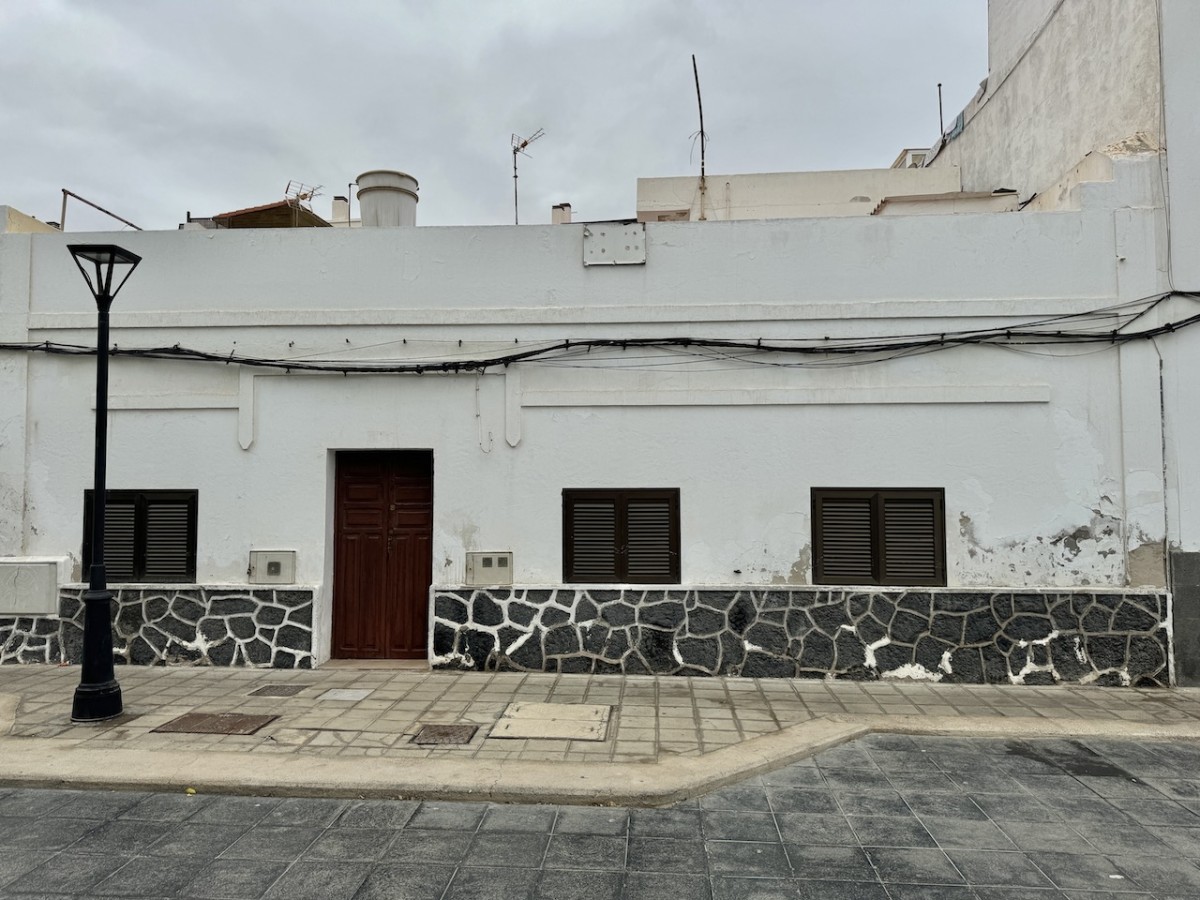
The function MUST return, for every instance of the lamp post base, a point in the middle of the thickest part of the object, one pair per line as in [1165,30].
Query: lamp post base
[97,702]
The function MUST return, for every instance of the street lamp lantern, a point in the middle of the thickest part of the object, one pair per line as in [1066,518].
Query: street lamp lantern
[98,696]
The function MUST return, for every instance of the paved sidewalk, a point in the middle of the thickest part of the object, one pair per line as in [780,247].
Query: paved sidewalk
[666,737]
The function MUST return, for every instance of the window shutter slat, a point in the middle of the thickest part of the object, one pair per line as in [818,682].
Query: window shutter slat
[846,540]
[594,537]
[119,540]
[167,543]
[649,554]
[910,540]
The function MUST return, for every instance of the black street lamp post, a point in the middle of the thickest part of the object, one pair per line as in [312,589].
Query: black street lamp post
[98,696]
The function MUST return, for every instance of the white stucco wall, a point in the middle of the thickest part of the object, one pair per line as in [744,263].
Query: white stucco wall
[1052,462]
[1089,79]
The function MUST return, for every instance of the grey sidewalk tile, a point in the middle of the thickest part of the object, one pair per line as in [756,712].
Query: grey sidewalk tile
[733,887]
[730,825]
[492,884]
[507,849]
[1124,841]
[14,864]
[122,838]
[882,831]
[942,892]
[945,806]
[563,884]
[235,810]
[970,834]
[830,863]
[320,881]
[96,804]
[794,776]
[67,873]
[415,846]
[803,799]
[188,840]
[592,820]
[31,802]
[840,890]
[682,824]
[567,851]
[377,814]
[876,803]
[306,811]
[358,844]
[815,828]
[1077,871]
[913,866]
[666,855]
[1126,788]
[747,797]
[448,816]
[858,780]
[924,783]
[168,807]
[271,842]
[403,881]
[144,876]
[1017,808]
[47,834]
[742,858]
[519,817]
[1052,836]
[1005,869]
[1161,873]
[650,886]
[1185,841]
[1158,812]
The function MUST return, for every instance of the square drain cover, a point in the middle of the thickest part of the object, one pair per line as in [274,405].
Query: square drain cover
[214,723]
[438,735]
[279,690]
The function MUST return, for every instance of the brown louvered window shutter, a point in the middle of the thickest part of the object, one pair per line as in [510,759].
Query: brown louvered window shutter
[149,536]
[623,536]
[879,536]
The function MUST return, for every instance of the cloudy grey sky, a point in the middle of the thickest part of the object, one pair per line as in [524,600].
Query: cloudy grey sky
[153,108]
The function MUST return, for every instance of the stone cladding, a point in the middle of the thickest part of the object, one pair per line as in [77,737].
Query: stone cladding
[1110,637]
[176,624]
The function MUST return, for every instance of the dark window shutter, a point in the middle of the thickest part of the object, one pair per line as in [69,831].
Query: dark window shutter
[879,536]
[149,536]
[120,540]
[170,548]
[624,536]
[651,553]
[845,554]
[592,539]
[911,541]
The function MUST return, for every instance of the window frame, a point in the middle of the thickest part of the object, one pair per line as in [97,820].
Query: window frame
[142,500]
[878,498]
[621,497]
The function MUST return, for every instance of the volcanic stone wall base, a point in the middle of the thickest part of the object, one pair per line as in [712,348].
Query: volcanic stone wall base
[177,624]
[1109,637]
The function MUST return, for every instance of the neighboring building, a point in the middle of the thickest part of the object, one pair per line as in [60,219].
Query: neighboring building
[935,446]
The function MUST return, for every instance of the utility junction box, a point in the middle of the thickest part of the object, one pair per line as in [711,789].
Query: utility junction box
[272,567]
[489,567]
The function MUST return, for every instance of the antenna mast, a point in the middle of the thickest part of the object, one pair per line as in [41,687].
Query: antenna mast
[518,146]
[703,138]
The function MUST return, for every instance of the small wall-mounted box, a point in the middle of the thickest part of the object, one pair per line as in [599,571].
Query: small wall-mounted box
[272,567]
[489,567]
[29,585]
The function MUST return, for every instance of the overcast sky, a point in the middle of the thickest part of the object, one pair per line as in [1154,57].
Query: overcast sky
[154,108]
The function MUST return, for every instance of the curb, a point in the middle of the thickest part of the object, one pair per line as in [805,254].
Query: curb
[33,762]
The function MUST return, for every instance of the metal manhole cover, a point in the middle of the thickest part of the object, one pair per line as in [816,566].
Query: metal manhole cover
[278,690]
[214,723]
[438,735]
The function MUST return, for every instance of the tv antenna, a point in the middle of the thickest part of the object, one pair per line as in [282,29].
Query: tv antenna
[518,146]
[300,192]
[703,137]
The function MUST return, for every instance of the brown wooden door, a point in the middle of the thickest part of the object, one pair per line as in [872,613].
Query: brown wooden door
[383,531]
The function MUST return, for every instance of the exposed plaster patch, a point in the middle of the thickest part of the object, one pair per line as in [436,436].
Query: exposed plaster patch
[1147,565]
[869,651]
[944,665]
[912,672]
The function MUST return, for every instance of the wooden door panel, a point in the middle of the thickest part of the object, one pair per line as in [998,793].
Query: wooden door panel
[382,554]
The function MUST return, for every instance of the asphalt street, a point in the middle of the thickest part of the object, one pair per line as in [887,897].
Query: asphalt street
[887,816]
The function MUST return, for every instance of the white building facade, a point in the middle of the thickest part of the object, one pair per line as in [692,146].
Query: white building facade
[951,447]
